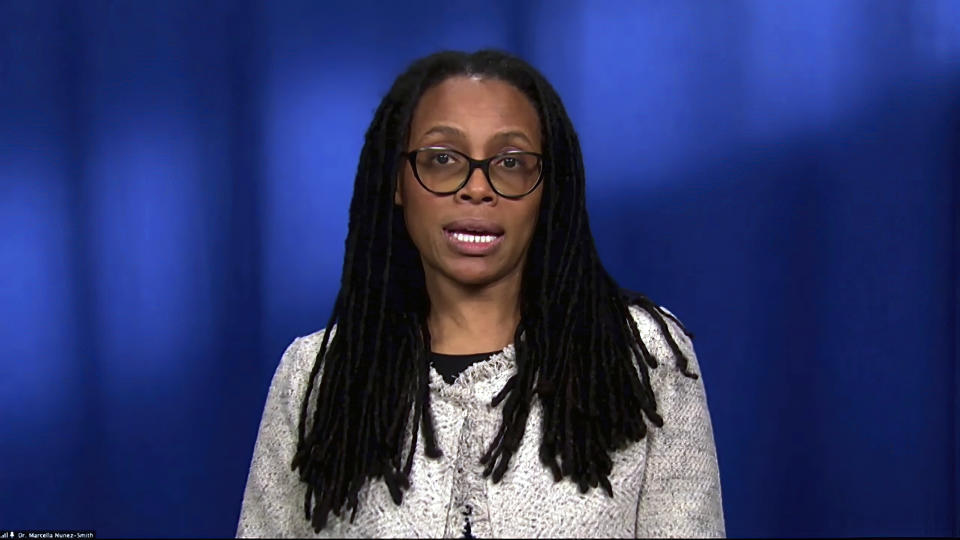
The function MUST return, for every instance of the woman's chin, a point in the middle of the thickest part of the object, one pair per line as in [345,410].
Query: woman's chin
[473,274]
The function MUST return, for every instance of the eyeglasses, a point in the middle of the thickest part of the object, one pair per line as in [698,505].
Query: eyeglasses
[443,171]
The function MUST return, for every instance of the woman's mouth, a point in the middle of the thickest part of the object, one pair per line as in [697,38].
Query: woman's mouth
[473,243]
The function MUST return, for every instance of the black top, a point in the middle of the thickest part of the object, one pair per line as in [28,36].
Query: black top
[452,365]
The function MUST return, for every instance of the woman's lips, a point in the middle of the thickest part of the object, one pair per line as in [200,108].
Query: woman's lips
[473,244]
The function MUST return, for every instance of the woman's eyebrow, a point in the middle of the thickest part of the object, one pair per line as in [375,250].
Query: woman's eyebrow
[445,130]
[455,132]
[512,134]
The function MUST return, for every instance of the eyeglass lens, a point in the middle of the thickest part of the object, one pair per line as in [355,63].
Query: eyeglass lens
[444,170]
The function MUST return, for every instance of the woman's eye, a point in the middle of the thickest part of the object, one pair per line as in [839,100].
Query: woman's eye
[442,159]
[509,162]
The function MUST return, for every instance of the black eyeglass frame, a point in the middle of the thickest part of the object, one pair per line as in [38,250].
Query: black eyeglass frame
[482,164]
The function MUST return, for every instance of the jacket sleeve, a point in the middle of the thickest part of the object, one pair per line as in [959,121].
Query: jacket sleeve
[272,504]
[680,495]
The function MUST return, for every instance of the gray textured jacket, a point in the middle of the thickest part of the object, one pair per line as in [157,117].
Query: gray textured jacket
[665,485]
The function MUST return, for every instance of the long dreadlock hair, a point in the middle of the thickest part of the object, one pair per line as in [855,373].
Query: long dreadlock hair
[578,342]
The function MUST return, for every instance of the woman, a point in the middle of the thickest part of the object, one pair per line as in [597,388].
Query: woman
[468,234]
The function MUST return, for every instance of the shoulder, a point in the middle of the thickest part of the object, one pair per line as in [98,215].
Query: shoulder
[309,345]
[297,350]
[293,372]
[663,334]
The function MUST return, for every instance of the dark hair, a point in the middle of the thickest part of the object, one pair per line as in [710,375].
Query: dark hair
[579,340]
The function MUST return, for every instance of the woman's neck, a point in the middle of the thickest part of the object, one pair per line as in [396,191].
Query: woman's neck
[467,320]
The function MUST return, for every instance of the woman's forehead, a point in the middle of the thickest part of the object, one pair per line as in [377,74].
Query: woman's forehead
[464,106]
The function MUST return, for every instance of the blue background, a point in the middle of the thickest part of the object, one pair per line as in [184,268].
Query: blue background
[174,185]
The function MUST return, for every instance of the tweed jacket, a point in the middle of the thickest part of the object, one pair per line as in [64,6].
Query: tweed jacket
[665,485]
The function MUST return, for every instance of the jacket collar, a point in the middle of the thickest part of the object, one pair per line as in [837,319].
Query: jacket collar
[476,386]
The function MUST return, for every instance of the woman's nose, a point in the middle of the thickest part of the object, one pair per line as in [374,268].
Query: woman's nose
[477,188]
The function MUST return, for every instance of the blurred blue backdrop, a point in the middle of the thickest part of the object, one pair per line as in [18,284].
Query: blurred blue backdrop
[174,185]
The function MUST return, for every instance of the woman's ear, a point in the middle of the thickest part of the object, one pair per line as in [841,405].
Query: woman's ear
[397,194]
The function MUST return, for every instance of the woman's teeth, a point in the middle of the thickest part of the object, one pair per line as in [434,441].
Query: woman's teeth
[475,238]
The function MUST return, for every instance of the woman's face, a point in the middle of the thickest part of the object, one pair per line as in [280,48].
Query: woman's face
[480,118]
